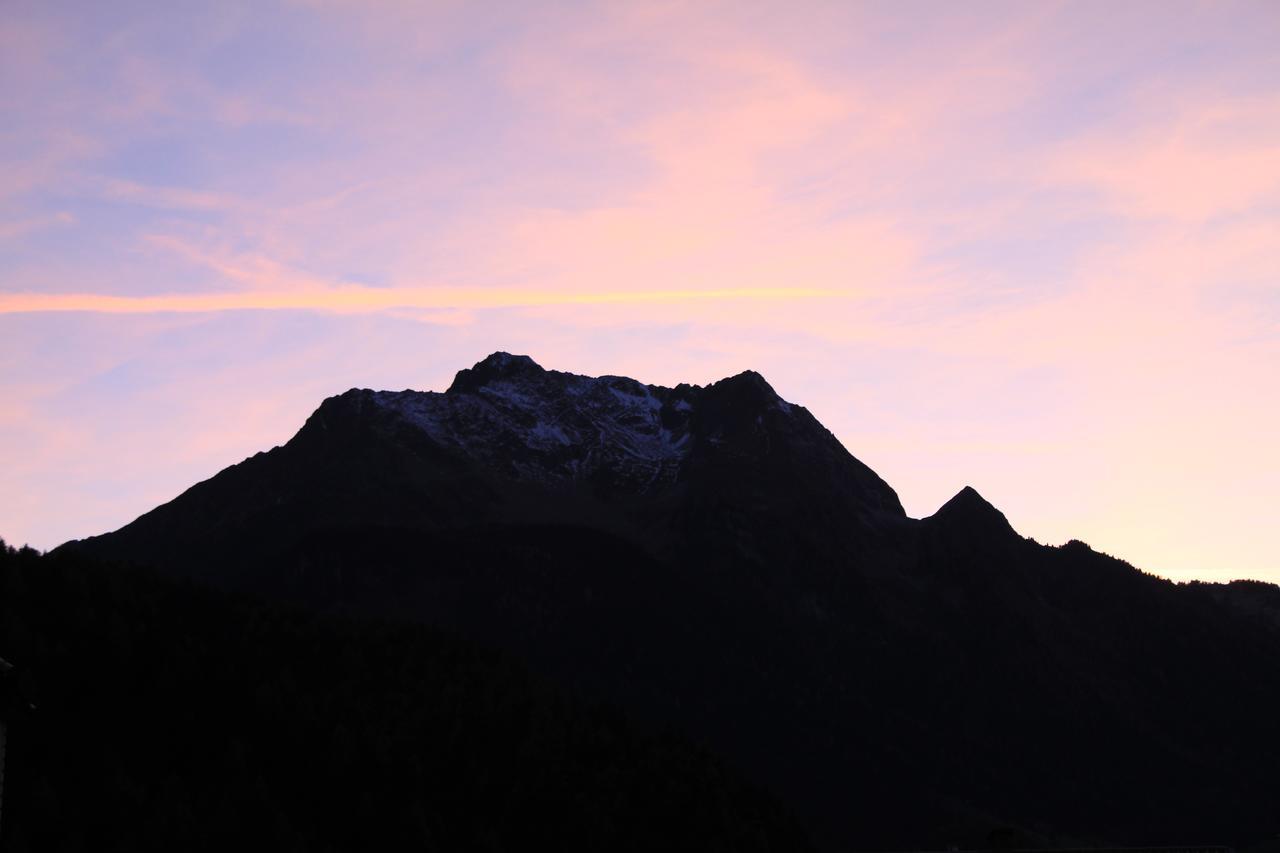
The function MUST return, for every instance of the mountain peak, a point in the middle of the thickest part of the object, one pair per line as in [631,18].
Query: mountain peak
[971,510]
[747,390]
[501,360]
[969,495]
[749,378]
[497,365]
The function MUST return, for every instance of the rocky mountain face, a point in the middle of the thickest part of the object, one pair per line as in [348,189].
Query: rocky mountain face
[713,559]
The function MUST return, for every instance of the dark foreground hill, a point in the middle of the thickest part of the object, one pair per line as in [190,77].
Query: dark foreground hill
[711,558]
[174,718]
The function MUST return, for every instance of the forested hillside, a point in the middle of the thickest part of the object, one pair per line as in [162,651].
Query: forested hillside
[170,717]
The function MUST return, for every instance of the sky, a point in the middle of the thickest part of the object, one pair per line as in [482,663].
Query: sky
[1029,247]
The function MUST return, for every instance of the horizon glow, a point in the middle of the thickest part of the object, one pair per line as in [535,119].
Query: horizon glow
[1032,248]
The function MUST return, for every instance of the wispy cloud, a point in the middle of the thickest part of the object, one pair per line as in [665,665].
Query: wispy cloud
[22,227]
[1214,156]
[348,300]
[165,198]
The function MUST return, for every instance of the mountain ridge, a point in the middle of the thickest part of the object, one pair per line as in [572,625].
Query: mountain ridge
[553,413]
[713,558]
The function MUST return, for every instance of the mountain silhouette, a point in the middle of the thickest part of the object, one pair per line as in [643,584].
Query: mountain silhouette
[714,560]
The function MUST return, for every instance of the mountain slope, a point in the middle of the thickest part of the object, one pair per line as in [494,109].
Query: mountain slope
[713,558]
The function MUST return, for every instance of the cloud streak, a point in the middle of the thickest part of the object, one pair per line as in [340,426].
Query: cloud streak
[356,300]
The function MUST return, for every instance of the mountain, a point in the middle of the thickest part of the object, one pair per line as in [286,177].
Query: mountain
[713,559]
[512,444]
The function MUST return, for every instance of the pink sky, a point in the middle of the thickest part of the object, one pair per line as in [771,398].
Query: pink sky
[1034,248]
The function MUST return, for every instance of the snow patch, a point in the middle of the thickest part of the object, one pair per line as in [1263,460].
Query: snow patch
[548,434]
[570,427]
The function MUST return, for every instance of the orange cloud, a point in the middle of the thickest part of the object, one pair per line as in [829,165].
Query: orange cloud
[1216,157]
[353,300]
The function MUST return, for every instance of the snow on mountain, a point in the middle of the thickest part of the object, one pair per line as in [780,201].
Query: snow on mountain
[549,426]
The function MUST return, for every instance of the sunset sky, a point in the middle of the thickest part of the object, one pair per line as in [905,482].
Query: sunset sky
[1032,247]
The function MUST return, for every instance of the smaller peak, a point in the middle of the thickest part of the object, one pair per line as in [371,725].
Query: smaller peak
[968,499]
[498,365]
[972,510]
[970,495]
